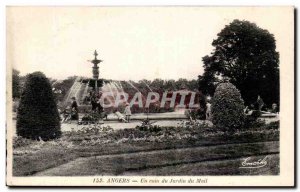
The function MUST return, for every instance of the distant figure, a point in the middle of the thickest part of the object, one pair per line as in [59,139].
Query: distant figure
[74,109]
[120,116]
[59,110]
[66,114]
[94,103]
[127,112]
[74,104]
[274,108]
[249,110]
[86,99]
[260,103]
[208,111]
[74,114]
[104,115]
[98,103]
[188,114]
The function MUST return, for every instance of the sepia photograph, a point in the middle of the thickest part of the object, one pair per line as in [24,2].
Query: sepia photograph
[150,96]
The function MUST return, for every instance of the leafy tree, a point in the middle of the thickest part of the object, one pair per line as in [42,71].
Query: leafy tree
[170,85]
[192,85]
[15,84]
[246,55]
[227,107]
[37,115]
[64,86]
[144,85]
[157,85]
[181,84]
[207,82]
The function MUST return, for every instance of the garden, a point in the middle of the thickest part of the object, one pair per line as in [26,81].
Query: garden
[223,137]
[152,147]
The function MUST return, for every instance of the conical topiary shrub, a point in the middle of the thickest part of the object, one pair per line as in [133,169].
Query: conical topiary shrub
[227,108]
[37,115]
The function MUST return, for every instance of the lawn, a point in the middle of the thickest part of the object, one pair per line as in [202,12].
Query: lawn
[158,161]
[132,151]
[213,167]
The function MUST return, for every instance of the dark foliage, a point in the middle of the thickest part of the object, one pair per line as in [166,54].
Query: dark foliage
[252,120]
[227,108]
[148,126]
[91,117]
[15,84]
[154,128]
[64,87]
[272,125]
[38,116]
[200,113]
[245,55]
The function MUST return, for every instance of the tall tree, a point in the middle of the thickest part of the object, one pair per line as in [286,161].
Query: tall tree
[246,55]
[157,85]
[15,84]
[37,113]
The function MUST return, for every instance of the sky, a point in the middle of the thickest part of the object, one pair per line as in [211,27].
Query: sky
[134,42]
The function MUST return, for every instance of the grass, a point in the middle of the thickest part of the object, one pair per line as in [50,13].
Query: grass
[213,167]
[132,163]
[37,157]
[31,163]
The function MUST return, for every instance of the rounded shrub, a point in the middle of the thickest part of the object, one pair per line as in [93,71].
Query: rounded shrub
[227,107]
[37,116]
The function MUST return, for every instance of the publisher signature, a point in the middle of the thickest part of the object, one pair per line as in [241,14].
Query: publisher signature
[254,164]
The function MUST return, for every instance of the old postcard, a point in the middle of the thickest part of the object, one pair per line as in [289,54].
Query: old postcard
[150,96]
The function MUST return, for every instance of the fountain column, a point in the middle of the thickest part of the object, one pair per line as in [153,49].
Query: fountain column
[96,70]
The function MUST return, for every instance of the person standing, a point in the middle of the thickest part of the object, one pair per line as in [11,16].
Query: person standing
[127,112]
[260,103]
[74,109]
[66,114]
[99,105]
[274,108]
[93,103]
[208,111]
[74,104]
